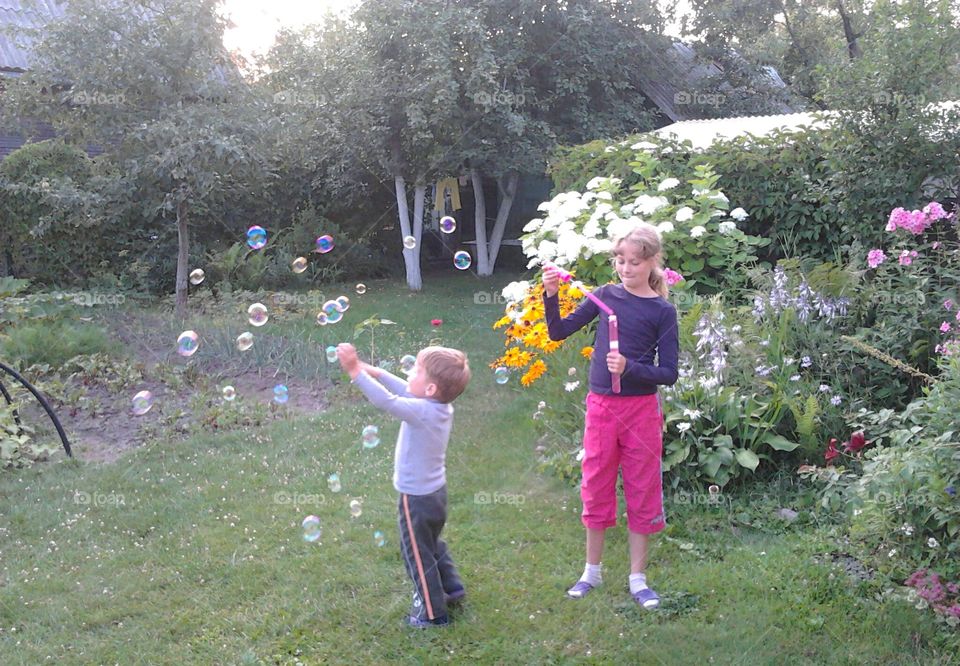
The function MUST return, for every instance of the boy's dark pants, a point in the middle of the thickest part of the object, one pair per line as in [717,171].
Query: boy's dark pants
[425,554]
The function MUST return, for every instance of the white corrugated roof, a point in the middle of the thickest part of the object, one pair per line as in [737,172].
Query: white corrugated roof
[703,133]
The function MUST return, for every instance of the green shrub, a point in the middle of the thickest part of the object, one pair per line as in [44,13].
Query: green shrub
[813,193]
[53,343]
[239,267]
[906,498]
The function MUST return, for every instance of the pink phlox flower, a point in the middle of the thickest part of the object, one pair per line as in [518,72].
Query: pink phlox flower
[875,257]
[935,211]
[907,257]
[672,276]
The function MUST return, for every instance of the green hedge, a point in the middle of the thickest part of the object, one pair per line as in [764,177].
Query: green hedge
[814,193]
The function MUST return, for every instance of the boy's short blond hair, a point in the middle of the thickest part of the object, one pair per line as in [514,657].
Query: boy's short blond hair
[448,369]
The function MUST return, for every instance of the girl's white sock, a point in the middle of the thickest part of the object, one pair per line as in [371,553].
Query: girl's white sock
[591,574]
[638,581]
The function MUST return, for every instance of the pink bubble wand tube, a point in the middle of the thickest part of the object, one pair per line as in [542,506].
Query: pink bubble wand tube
[611,320]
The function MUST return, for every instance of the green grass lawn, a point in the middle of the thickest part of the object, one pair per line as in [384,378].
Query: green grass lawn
[191,551]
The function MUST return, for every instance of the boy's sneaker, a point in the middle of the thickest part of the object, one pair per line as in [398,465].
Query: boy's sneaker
[581,589]
[455,598]
[421,623]
[647,598]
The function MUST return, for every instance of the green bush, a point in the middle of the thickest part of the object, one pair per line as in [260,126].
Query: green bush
[53,343]
[813,193]
[239,267]
[906,498]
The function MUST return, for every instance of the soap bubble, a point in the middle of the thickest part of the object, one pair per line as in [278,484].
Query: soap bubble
[409,242]
[142,402]
[321,318]
[371,437]
[447,224]
[333,481]
[331,354]
[245,341]
[501,375]
[229,393]
[356,508]
[280,394]
[344,303]
[196,276]
[188,343]
[311,529]
[257,314]
[379,538]
[361,288]
[256,237]
[299,264]
[462,260]
[333,312]
[407,363]
[324,243]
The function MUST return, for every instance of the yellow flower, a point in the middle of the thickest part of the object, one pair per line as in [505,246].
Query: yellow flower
[503,321]
[551,346]
[534,373]
[515,358]
[587,352]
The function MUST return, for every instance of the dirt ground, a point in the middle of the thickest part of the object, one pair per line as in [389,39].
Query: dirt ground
[102,426]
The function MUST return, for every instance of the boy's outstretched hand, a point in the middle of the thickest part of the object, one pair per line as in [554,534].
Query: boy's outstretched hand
[349,361]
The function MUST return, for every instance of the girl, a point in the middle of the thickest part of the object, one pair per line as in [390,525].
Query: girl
[624,430]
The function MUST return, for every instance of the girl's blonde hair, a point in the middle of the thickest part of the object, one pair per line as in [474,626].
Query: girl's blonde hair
[646,239]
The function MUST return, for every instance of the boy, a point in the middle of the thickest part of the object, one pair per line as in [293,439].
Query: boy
[419,469]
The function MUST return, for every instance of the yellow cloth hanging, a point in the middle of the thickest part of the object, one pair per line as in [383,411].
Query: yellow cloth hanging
[443,185]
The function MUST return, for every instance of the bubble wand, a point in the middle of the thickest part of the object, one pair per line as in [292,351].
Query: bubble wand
[611,319]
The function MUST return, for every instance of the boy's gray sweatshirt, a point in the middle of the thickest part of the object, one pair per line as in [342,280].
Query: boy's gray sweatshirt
[419,462]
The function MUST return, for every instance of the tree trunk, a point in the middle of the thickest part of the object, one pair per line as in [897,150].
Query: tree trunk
[411,258]
[502,214]
[853,47]
[480,223]
[183,258]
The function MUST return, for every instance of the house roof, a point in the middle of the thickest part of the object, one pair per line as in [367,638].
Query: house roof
[33,14]
[679,72]
[702,133]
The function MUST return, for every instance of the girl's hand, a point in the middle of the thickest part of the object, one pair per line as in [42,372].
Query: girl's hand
[551,280]
[616,363]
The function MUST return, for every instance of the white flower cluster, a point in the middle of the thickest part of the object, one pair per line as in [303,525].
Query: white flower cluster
[580,225]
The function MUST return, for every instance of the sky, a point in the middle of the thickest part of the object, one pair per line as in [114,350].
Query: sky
[257,21]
